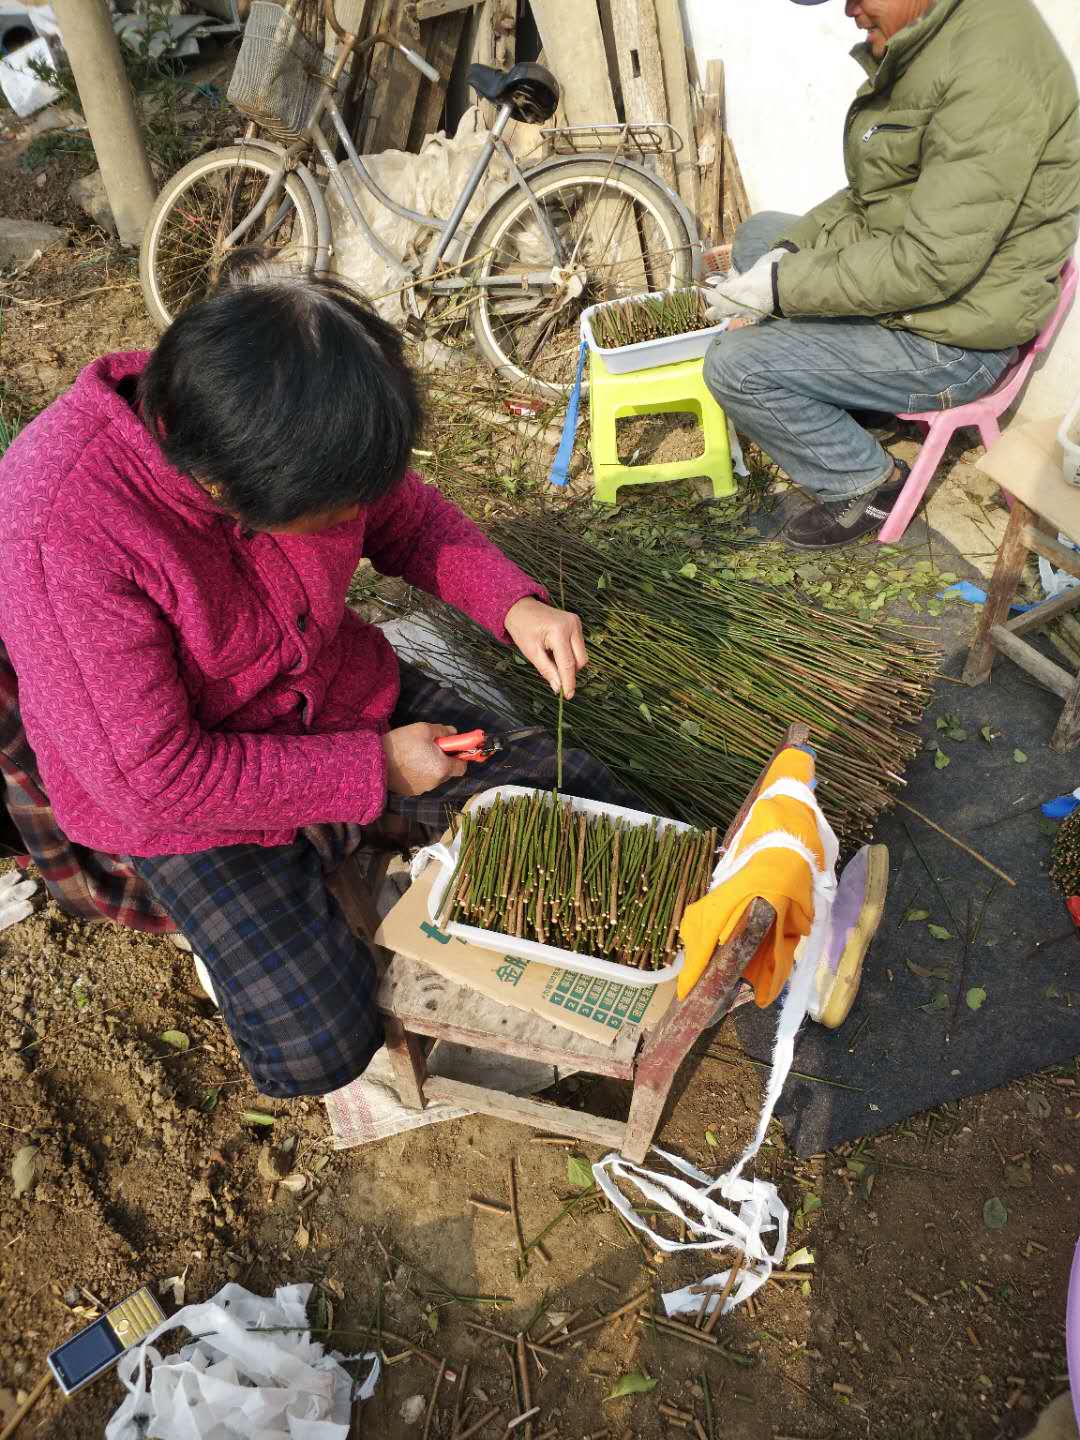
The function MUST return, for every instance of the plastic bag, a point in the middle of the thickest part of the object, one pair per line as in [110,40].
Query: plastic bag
[23,91]
[256,1374]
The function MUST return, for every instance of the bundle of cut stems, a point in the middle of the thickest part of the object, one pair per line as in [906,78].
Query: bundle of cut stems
[691,682]
[650,317]
[532,867]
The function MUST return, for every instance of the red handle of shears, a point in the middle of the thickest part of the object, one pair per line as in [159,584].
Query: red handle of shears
[464,747]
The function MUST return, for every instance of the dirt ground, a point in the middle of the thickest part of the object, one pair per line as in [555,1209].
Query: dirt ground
[915,1319]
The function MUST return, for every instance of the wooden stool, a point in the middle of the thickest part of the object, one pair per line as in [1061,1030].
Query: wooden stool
[1027,463]
[415,1002]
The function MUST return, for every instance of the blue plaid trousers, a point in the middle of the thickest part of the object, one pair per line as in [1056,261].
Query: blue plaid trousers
[297,990]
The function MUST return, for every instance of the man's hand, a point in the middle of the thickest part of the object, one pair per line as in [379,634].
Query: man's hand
[551,640]
[414,763]
[750,294]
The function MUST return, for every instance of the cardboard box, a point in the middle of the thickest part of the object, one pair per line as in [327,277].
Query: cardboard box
[599,1009]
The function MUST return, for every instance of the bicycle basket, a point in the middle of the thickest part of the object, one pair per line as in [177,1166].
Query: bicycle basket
[278,72]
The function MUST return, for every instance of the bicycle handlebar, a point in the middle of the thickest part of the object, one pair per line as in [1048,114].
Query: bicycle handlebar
[380,37]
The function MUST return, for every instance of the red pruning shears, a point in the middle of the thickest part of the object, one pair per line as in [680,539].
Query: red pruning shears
[480,746]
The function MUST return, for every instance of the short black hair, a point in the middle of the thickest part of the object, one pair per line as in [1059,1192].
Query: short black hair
[287,393]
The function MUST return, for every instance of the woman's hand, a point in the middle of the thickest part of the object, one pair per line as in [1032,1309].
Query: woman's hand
[414,763]
[551,640]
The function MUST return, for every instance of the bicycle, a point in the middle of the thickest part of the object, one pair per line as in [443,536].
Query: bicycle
[587,222]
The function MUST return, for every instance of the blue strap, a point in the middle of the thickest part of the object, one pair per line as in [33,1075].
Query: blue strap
[560,469]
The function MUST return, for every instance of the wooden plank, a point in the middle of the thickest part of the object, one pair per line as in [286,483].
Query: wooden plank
[429,1004]
[574,45]
[1012,555]
[1046,612]
[1054,677]
[1067,732]
[641,74]
[680,102]
[581,1126]
[736,201]
[397,87]
[439,40]
[407,1058]
[673,1039]
[433,9]
[1043,543]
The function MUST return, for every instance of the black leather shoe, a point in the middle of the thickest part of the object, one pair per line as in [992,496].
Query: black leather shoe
[832,523]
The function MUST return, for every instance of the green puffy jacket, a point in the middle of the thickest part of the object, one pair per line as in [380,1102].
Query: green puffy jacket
[963,155]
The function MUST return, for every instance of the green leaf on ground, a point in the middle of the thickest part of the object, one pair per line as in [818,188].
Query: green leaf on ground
[939,932]
[645,711]
[995,1215]
[176,1039]
[689,572]
[917,915]
[975,997]
[957,733]
[940,1001]
[256,1117]
[987,734]
[636,1383]
[711,1138]
[941,760]
[1019,757]
[804,1256]
[209,1100]
[579,1172]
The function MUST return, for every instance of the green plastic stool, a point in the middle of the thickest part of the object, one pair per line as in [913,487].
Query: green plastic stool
[663,389]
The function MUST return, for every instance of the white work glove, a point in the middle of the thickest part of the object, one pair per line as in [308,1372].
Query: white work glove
[752,293]
[15,898]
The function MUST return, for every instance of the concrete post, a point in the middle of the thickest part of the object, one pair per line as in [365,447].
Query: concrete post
[107,102]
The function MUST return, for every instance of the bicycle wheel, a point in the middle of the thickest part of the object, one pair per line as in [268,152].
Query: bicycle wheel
[621,233]
[184,241]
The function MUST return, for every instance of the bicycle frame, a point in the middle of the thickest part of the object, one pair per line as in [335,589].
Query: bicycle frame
[447,229]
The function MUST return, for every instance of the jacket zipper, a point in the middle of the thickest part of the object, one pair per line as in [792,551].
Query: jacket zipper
[875,128]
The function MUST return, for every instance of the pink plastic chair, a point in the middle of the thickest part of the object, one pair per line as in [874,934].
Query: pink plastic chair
[941,425]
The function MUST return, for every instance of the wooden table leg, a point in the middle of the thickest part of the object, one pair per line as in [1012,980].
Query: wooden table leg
[1010,566]
[1067,732]
[407,1058]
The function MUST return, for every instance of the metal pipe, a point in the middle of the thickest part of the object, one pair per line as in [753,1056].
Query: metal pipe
[483,160]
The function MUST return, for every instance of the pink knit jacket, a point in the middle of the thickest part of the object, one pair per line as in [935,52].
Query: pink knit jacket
[185,683]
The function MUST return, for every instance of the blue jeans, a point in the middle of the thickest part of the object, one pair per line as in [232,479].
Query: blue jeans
[790,384]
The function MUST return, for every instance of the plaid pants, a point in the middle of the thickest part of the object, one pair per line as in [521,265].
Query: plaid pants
[296,988]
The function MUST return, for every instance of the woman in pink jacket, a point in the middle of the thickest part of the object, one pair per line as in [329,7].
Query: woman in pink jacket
[213,728]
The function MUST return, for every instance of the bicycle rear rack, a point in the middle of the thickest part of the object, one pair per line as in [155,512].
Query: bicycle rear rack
[653,137]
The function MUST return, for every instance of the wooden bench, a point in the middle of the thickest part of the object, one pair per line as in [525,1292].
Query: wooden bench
[417,1004]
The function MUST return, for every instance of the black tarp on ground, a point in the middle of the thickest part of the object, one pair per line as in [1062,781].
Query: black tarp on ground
[1026,956]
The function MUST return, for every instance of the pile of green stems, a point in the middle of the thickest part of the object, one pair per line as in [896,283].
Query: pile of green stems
[650,317]
[692,683]
[532,867]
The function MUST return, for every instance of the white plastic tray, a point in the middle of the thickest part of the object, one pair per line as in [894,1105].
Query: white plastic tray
[625,359]
[446,859]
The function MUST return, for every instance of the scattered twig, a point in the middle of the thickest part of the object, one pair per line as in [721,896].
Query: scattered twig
[525,1418]
[490,1207]
[478,1425]
[630,1305]
[523,1254]
[434,1397]
[960,845]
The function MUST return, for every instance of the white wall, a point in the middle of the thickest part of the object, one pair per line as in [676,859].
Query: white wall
[790,79]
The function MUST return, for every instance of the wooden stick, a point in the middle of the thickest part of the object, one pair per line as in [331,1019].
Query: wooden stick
[463,1385]
[681,1332]
[489,1206]
[903,805]
[516,1213]
[27,1405]
[550,1335]
[434,1398]
[736,1271]
[525,1418]
[526,1386]
[634,1304]
[479,1425]
[533,1345]
[672,1412]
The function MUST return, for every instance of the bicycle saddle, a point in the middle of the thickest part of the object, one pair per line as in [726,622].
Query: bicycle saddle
[530,90]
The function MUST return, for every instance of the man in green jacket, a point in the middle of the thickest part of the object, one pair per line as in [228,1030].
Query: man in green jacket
[912,288]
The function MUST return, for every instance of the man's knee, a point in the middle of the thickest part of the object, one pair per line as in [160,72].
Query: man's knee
[330,1060]
[732,361]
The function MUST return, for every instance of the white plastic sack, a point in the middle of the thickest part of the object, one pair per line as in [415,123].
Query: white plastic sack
[1055,582]
[23,91]
[15,895]
[428,183]
[235,1384]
